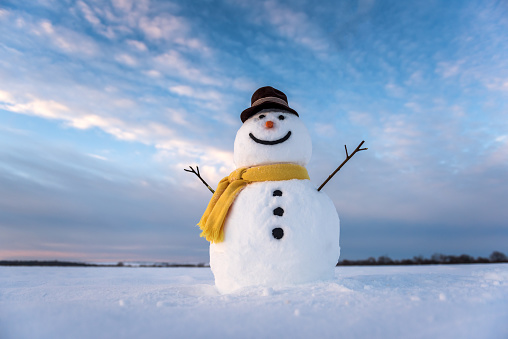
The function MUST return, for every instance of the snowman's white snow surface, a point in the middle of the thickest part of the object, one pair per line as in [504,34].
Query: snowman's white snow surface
[276,232]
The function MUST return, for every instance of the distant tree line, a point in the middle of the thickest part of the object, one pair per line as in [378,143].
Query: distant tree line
[436,259]
[83,264]
[44,263]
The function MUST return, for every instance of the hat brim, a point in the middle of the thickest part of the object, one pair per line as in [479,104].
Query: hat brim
[249,112]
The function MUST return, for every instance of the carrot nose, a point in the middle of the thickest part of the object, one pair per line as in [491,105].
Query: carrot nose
[269,124]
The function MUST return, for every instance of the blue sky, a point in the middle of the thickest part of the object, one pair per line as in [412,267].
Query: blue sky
[103,103]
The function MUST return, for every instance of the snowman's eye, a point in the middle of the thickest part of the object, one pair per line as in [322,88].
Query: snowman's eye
[281,117]
[261,116]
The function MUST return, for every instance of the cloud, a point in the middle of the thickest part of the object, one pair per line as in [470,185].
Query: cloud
[414,106]
[447,69]
[325,129]
[399,136]
[173,62]
[6,98]
[93,16]
[169,141]
[178,116]
[191,92]
[416,78]
[62,92]
[395,90]
[163,27]
[215,163]
[496,157]
[361,118]
[44,108]
[126,59]
[153,73]
[96,156]
[65,39]
[58,201]
[89,14]
[124,5]
[295,25]
[498,84]
[3,13]
[139,45]
[130,19]
[288,22]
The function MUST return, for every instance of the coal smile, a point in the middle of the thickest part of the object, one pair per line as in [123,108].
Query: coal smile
[270,142]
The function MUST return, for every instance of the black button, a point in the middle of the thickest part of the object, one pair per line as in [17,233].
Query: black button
[278,211]
[277,193]
[278,233]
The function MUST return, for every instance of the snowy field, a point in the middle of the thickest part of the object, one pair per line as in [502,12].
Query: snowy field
[461,301]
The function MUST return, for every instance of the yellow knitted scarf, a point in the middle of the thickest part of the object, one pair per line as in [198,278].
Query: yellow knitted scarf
[212,221]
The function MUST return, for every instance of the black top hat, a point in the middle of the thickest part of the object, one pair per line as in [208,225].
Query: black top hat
[264,98]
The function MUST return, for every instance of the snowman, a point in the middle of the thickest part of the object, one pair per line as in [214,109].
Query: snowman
[267,223]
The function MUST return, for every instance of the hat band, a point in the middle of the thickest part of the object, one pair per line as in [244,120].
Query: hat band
[272,99]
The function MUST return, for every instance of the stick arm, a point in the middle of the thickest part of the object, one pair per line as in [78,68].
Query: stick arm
[348,156]
[196,172]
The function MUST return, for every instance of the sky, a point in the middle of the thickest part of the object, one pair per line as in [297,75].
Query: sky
[104,103]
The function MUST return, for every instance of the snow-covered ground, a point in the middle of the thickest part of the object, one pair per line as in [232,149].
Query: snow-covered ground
[462,301]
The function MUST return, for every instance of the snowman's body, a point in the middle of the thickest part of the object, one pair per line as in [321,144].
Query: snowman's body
[276,232]
[251,255]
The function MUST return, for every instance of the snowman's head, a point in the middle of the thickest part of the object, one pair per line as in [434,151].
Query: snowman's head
[272,136]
